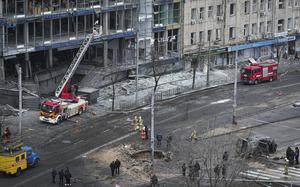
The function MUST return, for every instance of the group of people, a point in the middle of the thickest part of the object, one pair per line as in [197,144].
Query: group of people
[115,167]
[138,124]
[194,169]
[159,139]
[292,156]
[6,135]
[62,174]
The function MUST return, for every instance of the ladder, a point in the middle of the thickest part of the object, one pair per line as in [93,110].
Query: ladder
[72,68]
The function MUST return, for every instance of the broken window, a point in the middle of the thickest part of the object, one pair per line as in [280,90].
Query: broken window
[20,5]
[193,14]
[232,9]
[159,43]
[246,29]
[262,5]
[11,7]
[89,24]
[173,39]
[201,14]
[64,27]
[201,36]
[290,23]
[218,34]
[210,11]
[193,38]
[209,33]
[72,26]
[11,37]
[176,12]
[281,4]
[56,29]
[231,32]
[128,19]
[254,28]
[247,7]
[280,25]
[262,27]
[31,33]
[112,20]
[47,30]
[270,3]
[254,6]
[120,20]
[219,10]
[80,25]
[269,26]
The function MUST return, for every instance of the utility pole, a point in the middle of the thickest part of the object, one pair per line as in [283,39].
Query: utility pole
[152,129]
[234,122]
[20,99]
[208,65]
[136,69]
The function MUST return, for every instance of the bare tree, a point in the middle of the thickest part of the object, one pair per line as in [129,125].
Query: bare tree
[194,64]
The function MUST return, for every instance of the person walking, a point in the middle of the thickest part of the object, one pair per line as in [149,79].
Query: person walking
[197,168]
[146,131]
[191,170]
[225,156]
[153,180]
[53,173]
[224,171]
[68,177]
[297,156]
[117,166]
[217,171]
[112,168]
[183,168]
[61,176]
[169,140]
[159,138]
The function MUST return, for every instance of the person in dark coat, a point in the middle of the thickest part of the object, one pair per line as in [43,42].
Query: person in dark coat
[117,166]
[191,170]
[68,177]
[297,155]
[53,173]
[224,171]
[112,168]
[217,171]
[183,167]
[225,156]
[61,175]
[146,131]
[197,168]
[159,139]
[154,180]
[169,140]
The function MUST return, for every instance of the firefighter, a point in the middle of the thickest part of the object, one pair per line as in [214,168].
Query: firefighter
[140,123]
[194,135]
[135,123]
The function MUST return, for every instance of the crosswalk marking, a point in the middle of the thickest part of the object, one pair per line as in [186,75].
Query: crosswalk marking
[263,174]
[274,174]
[255,176]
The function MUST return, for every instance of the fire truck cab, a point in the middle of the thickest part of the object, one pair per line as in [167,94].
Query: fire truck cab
[257,72]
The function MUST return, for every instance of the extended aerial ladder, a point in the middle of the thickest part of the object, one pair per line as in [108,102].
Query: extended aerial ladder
[61,90]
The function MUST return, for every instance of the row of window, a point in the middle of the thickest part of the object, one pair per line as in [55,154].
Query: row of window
[246,30]
[261,4]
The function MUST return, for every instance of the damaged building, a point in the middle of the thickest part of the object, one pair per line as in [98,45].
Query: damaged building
[43,36]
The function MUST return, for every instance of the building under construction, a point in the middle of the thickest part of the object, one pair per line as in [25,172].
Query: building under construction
[43,36]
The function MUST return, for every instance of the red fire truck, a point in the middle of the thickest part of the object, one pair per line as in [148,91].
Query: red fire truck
[257,72]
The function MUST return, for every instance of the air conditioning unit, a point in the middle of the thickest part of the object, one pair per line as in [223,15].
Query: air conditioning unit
[193,22]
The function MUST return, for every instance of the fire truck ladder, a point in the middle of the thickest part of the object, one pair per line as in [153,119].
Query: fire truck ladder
[72,68]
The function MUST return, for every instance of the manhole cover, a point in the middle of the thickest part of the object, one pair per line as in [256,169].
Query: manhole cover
[66,141]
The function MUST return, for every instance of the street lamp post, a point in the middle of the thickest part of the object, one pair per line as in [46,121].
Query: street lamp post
[20,99]
[234,122]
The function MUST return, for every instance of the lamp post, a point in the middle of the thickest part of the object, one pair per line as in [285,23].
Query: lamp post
[234,122]
[20,99]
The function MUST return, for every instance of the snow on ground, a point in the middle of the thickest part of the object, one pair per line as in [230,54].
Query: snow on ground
[125,90]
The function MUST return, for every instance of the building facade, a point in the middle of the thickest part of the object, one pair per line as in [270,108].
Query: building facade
[45,34]
[254,28]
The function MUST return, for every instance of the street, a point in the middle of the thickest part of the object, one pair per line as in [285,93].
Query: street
[265,108]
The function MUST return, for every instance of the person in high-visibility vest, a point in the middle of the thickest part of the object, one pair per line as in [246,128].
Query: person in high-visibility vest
[194,135]
[135,123]
[140,123]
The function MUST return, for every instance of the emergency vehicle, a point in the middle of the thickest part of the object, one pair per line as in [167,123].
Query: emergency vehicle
[67,103]
[15,159]
[257,72]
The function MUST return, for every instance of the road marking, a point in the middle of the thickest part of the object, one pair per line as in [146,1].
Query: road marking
[285,86]
[277,172]
[297,143]
[254,176]
[220,101]
[261,173]
[75,158]
[106,130]
[293,170]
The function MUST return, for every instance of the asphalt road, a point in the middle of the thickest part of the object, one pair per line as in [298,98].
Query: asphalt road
[178,113]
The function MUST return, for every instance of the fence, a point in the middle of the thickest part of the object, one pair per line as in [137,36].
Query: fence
[163,95]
